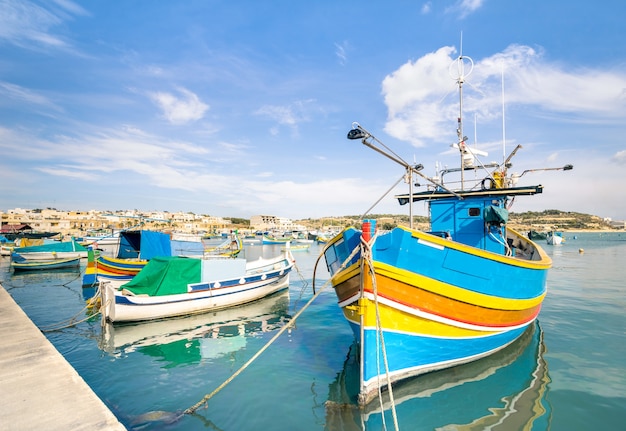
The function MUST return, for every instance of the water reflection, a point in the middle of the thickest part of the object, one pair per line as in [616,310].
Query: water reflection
[195,338]
[502,392]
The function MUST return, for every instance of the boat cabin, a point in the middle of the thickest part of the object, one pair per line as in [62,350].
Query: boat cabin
[478,222]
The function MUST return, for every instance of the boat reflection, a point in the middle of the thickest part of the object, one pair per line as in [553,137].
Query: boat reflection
[198,337]
[504,391]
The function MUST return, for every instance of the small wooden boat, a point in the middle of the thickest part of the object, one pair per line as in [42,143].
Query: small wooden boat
[135,249]
[178,286]
[270,240]
[296,247]
[33,265]
[52,251]
[421,301]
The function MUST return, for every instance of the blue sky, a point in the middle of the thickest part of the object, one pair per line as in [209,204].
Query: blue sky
[237,108]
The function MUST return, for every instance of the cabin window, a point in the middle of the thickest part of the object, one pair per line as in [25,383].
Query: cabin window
[474,212]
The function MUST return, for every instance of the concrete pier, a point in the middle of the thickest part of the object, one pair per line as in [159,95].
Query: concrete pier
[39,389]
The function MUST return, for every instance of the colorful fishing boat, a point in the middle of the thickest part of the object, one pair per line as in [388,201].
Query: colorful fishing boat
[508,390]
[178,286]
[229,248]
[52,251]
[296,247]
[20,264]
[134,251]
[270,240]
[420,301]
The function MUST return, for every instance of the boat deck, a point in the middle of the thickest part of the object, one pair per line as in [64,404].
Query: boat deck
[39,389]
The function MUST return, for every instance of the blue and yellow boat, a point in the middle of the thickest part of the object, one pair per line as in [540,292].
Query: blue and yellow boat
[420,301]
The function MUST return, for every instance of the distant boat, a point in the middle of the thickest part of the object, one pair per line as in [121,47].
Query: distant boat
[177,286]
[52,251]
[267,240]
[321,239]
[19,264]
[420,301]
[296,247]
[107,244]
[229,248]
[533,235]
[554,238]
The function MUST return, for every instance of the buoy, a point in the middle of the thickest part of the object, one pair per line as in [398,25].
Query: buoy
[581,251]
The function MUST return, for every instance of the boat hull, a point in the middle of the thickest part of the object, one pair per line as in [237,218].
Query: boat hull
[433,303]
[52,255]
[122,308]
[46,265]
[260,279]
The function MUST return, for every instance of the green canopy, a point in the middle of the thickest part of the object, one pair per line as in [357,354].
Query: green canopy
[165,276]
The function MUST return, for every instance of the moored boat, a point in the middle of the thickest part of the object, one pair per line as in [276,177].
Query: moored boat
[20,264]
[420,301]
[509,391]
[134,250]
[554,238]
[52,251]
[296,247]
[270,240]
[175,286]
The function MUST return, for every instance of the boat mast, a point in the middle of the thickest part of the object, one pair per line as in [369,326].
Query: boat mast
[460,76]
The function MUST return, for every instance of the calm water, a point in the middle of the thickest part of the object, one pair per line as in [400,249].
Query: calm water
[567,373]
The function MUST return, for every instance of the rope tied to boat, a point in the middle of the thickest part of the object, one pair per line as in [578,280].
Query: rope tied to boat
[290,323]
[68,323]
[367,259]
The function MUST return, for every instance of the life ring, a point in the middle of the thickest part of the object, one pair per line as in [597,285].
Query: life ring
[487,184]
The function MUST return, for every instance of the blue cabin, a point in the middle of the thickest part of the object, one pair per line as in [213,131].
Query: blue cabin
[477,221]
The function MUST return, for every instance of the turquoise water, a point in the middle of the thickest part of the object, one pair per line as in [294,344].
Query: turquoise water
[568,372]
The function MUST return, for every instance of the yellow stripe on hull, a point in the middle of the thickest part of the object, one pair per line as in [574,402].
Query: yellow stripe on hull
[456,304]
[396,320]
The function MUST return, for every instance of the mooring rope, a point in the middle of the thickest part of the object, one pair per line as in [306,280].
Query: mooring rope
[366,254]
[207,397]
[68,323]
[289,324]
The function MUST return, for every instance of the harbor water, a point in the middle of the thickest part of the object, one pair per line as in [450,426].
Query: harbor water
[568,371]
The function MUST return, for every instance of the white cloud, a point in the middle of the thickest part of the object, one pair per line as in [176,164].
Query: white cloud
[465,7]
[290,115]
[619,157]
[20,95]
[421,95]
[341,52]
[180,110]
[29,25]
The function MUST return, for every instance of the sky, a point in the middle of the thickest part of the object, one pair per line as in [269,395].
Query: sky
[238,108]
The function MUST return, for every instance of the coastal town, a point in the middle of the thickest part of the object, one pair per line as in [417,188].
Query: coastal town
[93,222]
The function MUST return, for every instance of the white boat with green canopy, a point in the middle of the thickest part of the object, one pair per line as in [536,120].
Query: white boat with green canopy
[176,286]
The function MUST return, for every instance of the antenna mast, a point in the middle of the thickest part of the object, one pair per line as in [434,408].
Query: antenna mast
[459,75]
[503,121]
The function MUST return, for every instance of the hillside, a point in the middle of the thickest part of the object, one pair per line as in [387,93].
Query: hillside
[538,221]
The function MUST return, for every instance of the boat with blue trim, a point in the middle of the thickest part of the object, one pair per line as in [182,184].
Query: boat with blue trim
[18,263]
[420,301]
[171,286]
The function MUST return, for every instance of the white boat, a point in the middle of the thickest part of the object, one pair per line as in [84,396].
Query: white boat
[52,251]
[107,244]
[177,286]
[554,238]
